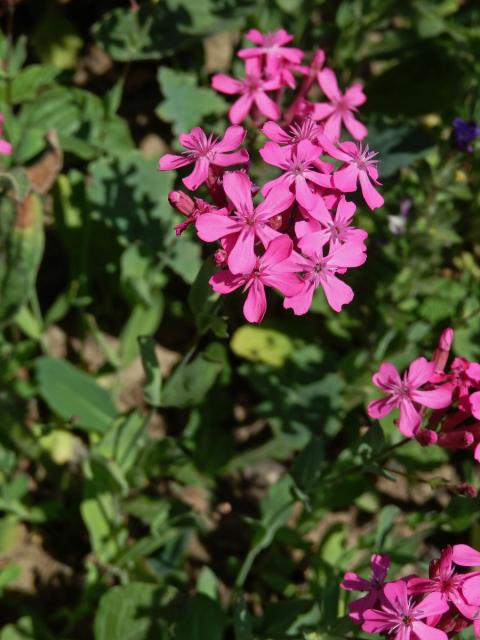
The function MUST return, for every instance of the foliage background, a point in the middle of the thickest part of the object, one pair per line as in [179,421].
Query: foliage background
[214,480]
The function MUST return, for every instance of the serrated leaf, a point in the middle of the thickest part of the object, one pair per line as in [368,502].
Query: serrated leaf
[185,103]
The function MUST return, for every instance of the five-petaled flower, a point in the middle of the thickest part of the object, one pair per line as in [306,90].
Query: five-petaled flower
[341,107]
[407,394]
[273,269]
[205,151]
[246,224]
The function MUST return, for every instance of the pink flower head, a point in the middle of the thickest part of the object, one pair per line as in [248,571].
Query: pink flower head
[445,581]
[359,165]
[320,270]
[272,47]
[407,394]
[246,224]
[252,92]
[5,147]
[205,151]
[273,269]
[401,617]
[374,587]
[298,165]
[336,230]
[340,108]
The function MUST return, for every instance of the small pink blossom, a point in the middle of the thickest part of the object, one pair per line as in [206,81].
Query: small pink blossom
[401,617]
[407,394]
[380,565]
[203,151]
[5,147]
[252,91]
[321,270]
[359,165]
[340,108]
[335,229]
[298,166]
[272,46]
[246,224]
[273,269]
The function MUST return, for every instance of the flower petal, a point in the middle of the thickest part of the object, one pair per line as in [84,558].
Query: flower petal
[226,84]
[170,161]
[198,175]
[267,106]
[232,139]
[238,187]
[225,282]
[240,108]
[373,199]
[328,83]
[419,372]
[409,418]
[256,302]
[356,128]
[213,226]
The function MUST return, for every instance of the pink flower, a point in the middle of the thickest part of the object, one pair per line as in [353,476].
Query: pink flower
[252,92]
[305,129]
[407,394]
[320,270]
[247,222]
[298,165]
[374,587]
[272,46]
[360,165]
[5,147]
[444,581]
[340,108]
[273,269]
[401,617]
[336,230]
[204,151]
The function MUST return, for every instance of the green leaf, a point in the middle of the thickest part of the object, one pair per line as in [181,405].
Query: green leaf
[152,389]
[129,612]
[27,84]
[203,619]
[144,320]
[307,468]
[73,394]
[185,103]
[191,381]
[261,345]
[203,302]
[386,522]
[124,440]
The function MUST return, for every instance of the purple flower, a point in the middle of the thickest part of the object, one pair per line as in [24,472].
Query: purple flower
[464,132]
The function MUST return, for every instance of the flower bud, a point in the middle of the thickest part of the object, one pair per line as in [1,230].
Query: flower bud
[181,202]
[461,439]
[426,437]
[465,489]
[220,258]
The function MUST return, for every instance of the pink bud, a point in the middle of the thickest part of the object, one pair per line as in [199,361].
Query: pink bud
[318,60]
[461,439]
[440,355]
[181,202]
[275,222]
[446,339]
[426,437]
[465,489]
[220,258]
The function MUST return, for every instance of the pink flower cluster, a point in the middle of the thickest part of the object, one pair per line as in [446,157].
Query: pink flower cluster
[454,396]
[433,608]
[295,233]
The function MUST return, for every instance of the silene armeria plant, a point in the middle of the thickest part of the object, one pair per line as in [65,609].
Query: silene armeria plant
[296,233]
